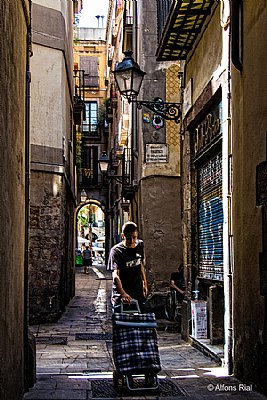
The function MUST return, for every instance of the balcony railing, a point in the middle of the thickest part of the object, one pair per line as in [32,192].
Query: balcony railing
[78,76]
[78,104]
[163,9]
[127,175]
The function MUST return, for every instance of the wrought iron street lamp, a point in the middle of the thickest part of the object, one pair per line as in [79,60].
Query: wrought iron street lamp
[129,77]
[104,163]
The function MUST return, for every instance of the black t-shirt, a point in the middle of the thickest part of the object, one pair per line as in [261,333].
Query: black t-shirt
[179,281]
[86,254]
[127,261]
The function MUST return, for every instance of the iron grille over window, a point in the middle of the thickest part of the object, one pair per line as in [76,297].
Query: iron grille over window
[127,167]
[90,67]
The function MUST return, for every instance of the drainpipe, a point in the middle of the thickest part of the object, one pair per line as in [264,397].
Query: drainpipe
[27,215]
[227,188]
[134,108]
[27,371]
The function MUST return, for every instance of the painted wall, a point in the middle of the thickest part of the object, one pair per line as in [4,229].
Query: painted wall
[13,53]
[53,183]
[249,93]
[48,119]
[160,226]
[204,63]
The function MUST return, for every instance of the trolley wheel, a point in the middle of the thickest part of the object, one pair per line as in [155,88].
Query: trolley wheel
[150,381]
[115,379]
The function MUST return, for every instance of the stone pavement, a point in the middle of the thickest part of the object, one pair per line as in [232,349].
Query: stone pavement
[74,356]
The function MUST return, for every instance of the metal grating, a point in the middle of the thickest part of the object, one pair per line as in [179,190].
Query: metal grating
[51,340]
[104,389]
[93,336]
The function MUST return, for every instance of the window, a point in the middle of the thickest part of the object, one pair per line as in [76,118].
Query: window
[89,166]
[91,120]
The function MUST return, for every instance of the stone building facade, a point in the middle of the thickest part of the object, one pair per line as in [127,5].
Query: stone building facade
[53,171]
[152,195]
[14,194]
[224,171]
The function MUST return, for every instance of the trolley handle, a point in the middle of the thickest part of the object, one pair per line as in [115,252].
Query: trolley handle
[134,310]
[136,324]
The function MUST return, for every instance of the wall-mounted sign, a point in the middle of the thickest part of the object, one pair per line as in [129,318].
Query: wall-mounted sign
[157,153]
[188,97]
[208,130]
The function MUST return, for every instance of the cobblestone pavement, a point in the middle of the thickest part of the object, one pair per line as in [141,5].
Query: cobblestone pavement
[74,356]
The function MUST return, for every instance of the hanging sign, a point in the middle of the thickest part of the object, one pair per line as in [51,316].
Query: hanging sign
[157,153]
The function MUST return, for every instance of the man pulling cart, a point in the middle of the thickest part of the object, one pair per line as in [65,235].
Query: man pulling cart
[135,348]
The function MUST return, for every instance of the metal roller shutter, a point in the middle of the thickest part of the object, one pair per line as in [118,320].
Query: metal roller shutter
[210,219]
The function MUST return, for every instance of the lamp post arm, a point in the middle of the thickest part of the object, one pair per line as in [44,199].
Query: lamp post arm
[170,111]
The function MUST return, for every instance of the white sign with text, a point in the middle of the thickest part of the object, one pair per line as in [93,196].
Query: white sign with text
[157,153]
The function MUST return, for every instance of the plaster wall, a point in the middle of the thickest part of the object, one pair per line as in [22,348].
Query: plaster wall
[48,114]
[249,93]
[160,226]
[59,5]
[13,54]
[204,63]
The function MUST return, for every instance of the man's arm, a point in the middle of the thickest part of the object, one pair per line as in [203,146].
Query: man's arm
[172,284]
[126,298]
[143,276]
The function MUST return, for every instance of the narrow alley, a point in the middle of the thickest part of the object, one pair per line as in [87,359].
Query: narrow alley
[74,355]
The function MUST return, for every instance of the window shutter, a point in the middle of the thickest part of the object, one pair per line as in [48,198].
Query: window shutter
[90,67]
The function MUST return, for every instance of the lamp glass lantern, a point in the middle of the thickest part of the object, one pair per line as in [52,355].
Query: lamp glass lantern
[128,76]
[103,162]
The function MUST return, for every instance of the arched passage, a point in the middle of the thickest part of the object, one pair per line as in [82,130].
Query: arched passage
[91,230]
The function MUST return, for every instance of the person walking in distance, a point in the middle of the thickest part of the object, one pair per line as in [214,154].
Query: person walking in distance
[126,261]
[87,259]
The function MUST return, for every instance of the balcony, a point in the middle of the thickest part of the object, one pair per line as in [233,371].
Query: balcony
[90,132]
[179,24]
[78,104]
[128,188]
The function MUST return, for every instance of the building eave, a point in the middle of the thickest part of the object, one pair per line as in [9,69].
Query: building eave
[183,25]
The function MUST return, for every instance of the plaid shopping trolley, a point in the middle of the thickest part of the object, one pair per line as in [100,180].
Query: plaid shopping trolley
[135,349]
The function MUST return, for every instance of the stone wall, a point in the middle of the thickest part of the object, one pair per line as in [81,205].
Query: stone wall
[47,253]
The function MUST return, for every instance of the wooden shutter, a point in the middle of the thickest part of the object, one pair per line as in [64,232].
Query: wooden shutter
[90,67]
